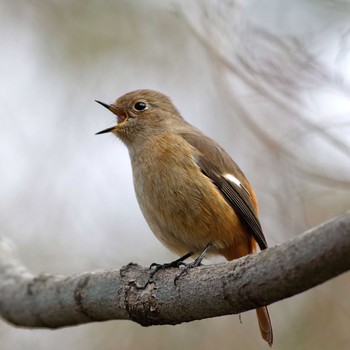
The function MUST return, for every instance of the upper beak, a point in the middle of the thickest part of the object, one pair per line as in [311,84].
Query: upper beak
[110,107]
[106,105]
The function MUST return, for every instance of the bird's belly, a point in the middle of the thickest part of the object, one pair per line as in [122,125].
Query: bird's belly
[189,212]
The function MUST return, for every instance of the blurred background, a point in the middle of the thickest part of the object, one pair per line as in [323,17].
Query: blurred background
[269,81]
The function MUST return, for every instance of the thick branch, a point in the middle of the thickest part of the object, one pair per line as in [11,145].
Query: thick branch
[208,291]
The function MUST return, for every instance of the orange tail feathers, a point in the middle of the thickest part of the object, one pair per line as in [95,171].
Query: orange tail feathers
[262,312]
[265,324]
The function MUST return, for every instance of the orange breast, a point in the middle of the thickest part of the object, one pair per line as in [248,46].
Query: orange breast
[183,208]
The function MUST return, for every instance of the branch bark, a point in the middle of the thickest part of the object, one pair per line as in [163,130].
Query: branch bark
[53,301]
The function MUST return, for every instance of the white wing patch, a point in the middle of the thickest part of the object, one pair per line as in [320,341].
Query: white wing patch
[233,179]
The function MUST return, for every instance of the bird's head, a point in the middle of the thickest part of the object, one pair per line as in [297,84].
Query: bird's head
[141,114]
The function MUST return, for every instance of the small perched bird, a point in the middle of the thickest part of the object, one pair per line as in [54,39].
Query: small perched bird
[193,196]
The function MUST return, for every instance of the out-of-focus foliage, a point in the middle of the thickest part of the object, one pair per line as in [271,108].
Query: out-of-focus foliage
[267,80]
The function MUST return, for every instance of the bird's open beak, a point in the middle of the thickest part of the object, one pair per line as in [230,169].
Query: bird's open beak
[120,116]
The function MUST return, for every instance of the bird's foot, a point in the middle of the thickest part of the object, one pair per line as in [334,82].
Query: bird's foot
[176,263]
[180,262]
[195,263]
[187,267]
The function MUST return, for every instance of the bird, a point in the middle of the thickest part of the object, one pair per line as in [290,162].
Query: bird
[194,197]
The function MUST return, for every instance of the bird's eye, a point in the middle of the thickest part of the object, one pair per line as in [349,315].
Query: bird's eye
[140,106]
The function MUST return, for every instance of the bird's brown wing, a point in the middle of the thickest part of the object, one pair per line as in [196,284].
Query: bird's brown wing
[216,164]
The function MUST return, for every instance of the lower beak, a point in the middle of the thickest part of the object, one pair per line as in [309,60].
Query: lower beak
[105,130]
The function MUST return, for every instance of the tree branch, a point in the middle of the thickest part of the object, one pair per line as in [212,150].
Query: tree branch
[279,272]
